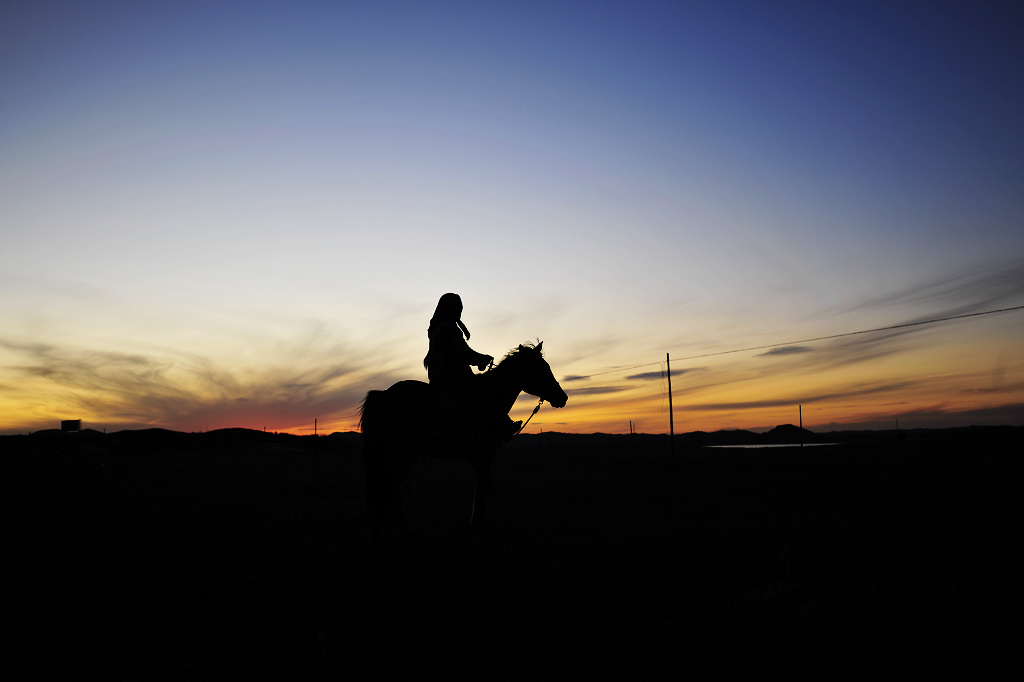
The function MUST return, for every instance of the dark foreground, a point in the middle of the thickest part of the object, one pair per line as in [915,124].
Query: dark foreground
[236,559]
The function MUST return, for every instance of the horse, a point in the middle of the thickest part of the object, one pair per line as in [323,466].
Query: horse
[412,420]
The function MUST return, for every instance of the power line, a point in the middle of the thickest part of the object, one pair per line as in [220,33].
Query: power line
[863,331]
[613,371]
[817,338]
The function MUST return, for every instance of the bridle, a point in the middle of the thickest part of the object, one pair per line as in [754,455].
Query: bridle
[536,409]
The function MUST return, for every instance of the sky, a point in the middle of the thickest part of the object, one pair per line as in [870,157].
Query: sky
[243,214]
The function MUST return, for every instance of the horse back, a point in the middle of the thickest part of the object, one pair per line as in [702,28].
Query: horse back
[416,418]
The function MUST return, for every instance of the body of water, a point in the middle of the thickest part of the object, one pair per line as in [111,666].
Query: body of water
[774,445]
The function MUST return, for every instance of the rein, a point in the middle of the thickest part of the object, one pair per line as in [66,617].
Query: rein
[520,430]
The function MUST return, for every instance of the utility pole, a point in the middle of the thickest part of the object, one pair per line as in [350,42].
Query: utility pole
[671,419]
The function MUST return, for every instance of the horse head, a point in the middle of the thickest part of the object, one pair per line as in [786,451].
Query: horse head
[537,378]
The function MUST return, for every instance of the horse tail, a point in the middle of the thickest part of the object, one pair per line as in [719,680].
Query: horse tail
[381,485]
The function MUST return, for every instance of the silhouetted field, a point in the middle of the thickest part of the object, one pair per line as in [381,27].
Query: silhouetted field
[240,555]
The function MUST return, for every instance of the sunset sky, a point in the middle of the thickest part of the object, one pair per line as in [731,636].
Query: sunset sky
[243,214]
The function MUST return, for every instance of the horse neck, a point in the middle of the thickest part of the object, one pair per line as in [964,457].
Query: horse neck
[505,385]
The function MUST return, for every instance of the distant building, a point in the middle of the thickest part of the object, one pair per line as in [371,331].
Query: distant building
[71,425]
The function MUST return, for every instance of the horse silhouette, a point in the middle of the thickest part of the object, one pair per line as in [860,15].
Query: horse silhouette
[412,420]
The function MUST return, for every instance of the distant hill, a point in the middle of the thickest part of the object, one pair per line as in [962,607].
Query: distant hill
[153,441]
[784,434]
[146,441]
[787,433]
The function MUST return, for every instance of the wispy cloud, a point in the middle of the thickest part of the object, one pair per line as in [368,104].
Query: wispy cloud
[852,350]
[959,292]
[647,376]
[596,390]
[963,292]
[805,399]
[935,416]
[787,350]
[190,391]
[995,390]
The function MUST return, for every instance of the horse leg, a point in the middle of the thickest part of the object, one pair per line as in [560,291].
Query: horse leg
[379,494]
[482,464]
[384,474]
[400,517]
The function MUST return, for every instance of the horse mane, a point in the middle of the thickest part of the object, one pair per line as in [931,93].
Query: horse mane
[516,352]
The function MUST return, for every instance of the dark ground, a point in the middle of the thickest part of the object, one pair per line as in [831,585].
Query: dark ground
[153,555]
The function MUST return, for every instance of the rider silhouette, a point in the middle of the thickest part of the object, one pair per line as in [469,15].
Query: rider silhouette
[449,357]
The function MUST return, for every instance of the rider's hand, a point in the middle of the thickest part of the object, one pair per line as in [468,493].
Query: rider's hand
[486,363]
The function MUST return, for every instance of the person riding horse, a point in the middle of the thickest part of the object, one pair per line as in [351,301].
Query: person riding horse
[449,360]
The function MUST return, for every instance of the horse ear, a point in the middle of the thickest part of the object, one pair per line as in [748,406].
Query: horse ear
[521,347]
[540,346]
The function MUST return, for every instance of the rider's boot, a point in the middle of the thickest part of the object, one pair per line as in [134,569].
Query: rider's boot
[512,428]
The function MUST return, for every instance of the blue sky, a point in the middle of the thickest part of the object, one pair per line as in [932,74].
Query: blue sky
[243,214]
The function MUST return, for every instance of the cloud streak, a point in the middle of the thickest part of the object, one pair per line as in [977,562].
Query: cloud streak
[596,390]
[960,292]
[189,391]
[934,416]
[805,399]
[647,376]
[787,350]
[846,351]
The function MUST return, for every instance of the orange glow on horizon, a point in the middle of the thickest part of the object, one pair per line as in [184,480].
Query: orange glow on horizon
[923,384]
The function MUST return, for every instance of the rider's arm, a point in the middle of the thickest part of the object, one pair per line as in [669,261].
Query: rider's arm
[478,360]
